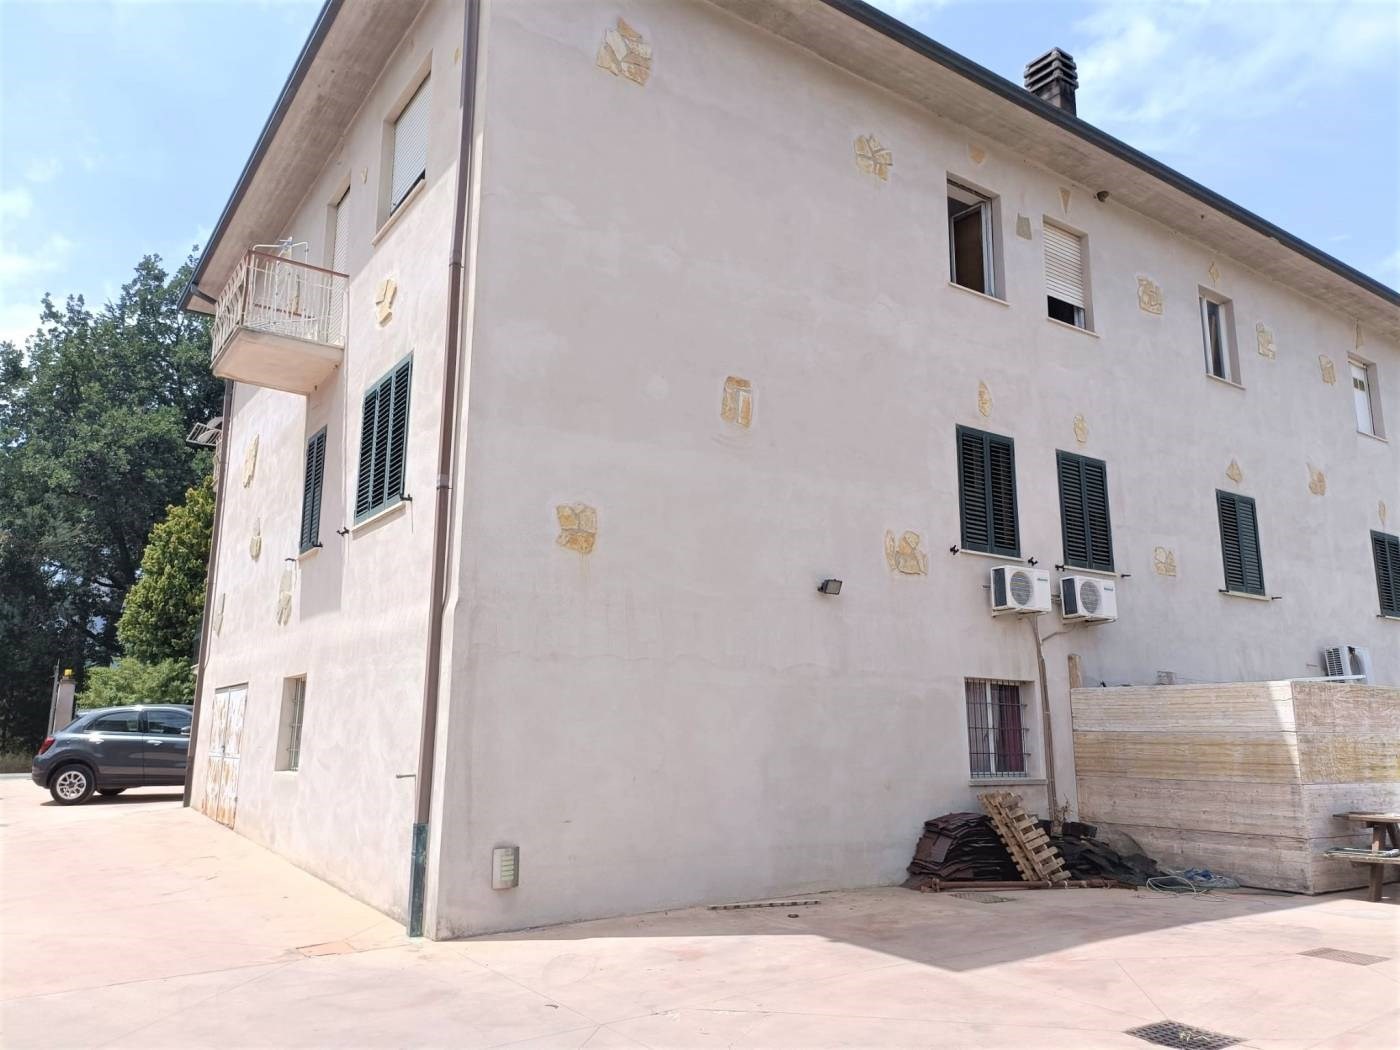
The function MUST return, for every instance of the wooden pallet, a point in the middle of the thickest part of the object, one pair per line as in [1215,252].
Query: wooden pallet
[1035,858]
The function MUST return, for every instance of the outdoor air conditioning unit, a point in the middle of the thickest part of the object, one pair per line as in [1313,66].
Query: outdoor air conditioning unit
[1347,661]
[1020,589]
[1088,598]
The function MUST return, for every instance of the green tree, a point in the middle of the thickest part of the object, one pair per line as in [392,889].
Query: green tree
[130,681]
[93,413]
[161,616]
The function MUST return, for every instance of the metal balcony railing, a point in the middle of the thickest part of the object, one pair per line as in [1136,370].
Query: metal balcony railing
[279,296]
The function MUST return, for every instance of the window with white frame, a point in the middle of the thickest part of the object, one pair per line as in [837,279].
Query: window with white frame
[972,243]
[1366,396]
[997,734]
[1218,337]
[409,156]
[289,735]
[1066,277]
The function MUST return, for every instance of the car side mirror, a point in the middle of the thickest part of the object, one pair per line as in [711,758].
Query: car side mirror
[184,730]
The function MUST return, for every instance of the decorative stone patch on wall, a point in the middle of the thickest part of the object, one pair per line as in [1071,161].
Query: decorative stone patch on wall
[284,596]
[1149,296]
[250,461]
[1233,471]
[984,400]
[1381,512]
[1264,339]
[904,555]
[578,527]
[384,299]
[1023,227]
[873,158]
[218,620]
[737,404]
[1081,430]
[1359,339]
[1164,561]
[624,53]
[1328,369]
[1214,272]
[977,153]
[1064,200]
[255,541]
[1317,481]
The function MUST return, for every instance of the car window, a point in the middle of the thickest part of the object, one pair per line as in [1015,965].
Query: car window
[116,722]
[167,723]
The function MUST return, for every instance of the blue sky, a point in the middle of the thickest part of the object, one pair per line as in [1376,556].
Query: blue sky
[124,124]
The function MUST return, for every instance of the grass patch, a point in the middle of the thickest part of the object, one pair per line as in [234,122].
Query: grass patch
[16,761]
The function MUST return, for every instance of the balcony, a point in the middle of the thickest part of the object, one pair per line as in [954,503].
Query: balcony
[280,324]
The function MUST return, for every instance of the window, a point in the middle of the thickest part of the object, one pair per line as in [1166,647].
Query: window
[312,485]
[987,493]
[289,736]
[116,722]
[1239,543]
[1066,287]
[971,240]
[167,723]
[1385,548]
[1084,521]
[996,729]
[1366,396]
[1218,338]
[383,442]
[409,157]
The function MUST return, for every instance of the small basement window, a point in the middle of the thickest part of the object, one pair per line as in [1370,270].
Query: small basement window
[1066,278]
[1218,337]
[997,736]
[972,240]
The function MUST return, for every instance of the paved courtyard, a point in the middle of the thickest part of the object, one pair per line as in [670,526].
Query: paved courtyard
[134,923]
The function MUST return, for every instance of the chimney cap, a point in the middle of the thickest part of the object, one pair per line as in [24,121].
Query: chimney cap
[1053,77]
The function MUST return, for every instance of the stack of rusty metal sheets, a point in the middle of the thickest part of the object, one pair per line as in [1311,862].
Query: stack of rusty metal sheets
[960,847]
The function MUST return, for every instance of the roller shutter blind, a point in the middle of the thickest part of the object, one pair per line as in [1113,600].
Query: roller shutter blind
[1064,265]
[1239,543]
[987,493]
[340,249]
[1084,518]
[410,147]
[383,442]
[1385,548]
[313,484]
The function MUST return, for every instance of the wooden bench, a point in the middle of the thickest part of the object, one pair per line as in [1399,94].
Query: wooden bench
[1383,826]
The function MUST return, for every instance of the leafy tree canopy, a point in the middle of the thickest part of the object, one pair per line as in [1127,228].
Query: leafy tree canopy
[131,681]
[161,616]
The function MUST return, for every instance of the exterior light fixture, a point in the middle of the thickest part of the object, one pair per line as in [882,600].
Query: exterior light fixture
[830,587]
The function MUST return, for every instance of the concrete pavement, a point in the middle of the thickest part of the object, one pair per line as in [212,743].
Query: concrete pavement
[134,923]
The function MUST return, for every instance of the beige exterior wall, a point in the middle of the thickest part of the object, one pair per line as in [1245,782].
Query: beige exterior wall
[357,622]
[678,716]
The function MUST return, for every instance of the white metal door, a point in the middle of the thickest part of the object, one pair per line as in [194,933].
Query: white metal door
[225,741]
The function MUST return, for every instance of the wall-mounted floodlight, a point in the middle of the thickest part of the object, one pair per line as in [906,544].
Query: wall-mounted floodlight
[829,586]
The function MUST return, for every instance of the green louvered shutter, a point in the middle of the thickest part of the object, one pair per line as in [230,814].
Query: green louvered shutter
[1385,548]
[1239,543]
[398,432]
[364,500]
[1084,519]
[987,493]
[383,442]
[312,485]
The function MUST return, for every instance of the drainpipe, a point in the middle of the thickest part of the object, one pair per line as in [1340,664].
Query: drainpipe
[427,745]
[1047,733]
[202,658]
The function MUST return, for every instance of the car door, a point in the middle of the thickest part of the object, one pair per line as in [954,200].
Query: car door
[167,744]
[116,747]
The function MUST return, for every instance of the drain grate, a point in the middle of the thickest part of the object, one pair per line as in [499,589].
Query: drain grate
[1337,955]
[984,898]
[1173,1033]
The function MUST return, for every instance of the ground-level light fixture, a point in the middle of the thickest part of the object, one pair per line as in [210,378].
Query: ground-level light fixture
[829,586]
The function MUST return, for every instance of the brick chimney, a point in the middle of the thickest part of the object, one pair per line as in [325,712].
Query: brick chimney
[1053,77]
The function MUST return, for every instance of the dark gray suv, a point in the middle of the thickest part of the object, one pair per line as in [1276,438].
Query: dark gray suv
[114,748]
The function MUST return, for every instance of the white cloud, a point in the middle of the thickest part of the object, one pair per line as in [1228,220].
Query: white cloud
[48,257]
[43,169]
[15,204]
[1161,72]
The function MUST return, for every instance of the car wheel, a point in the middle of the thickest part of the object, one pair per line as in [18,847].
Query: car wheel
[110,792]
[71,785]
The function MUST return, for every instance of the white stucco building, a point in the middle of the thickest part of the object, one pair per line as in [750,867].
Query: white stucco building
[656,315]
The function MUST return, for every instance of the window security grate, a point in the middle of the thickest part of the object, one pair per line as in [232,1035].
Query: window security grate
[996,729]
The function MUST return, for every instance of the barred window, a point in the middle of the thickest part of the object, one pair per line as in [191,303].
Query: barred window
[996,728]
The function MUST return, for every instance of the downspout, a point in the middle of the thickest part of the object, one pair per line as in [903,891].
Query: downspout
[1047,733]
[202,658]
[427,746]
